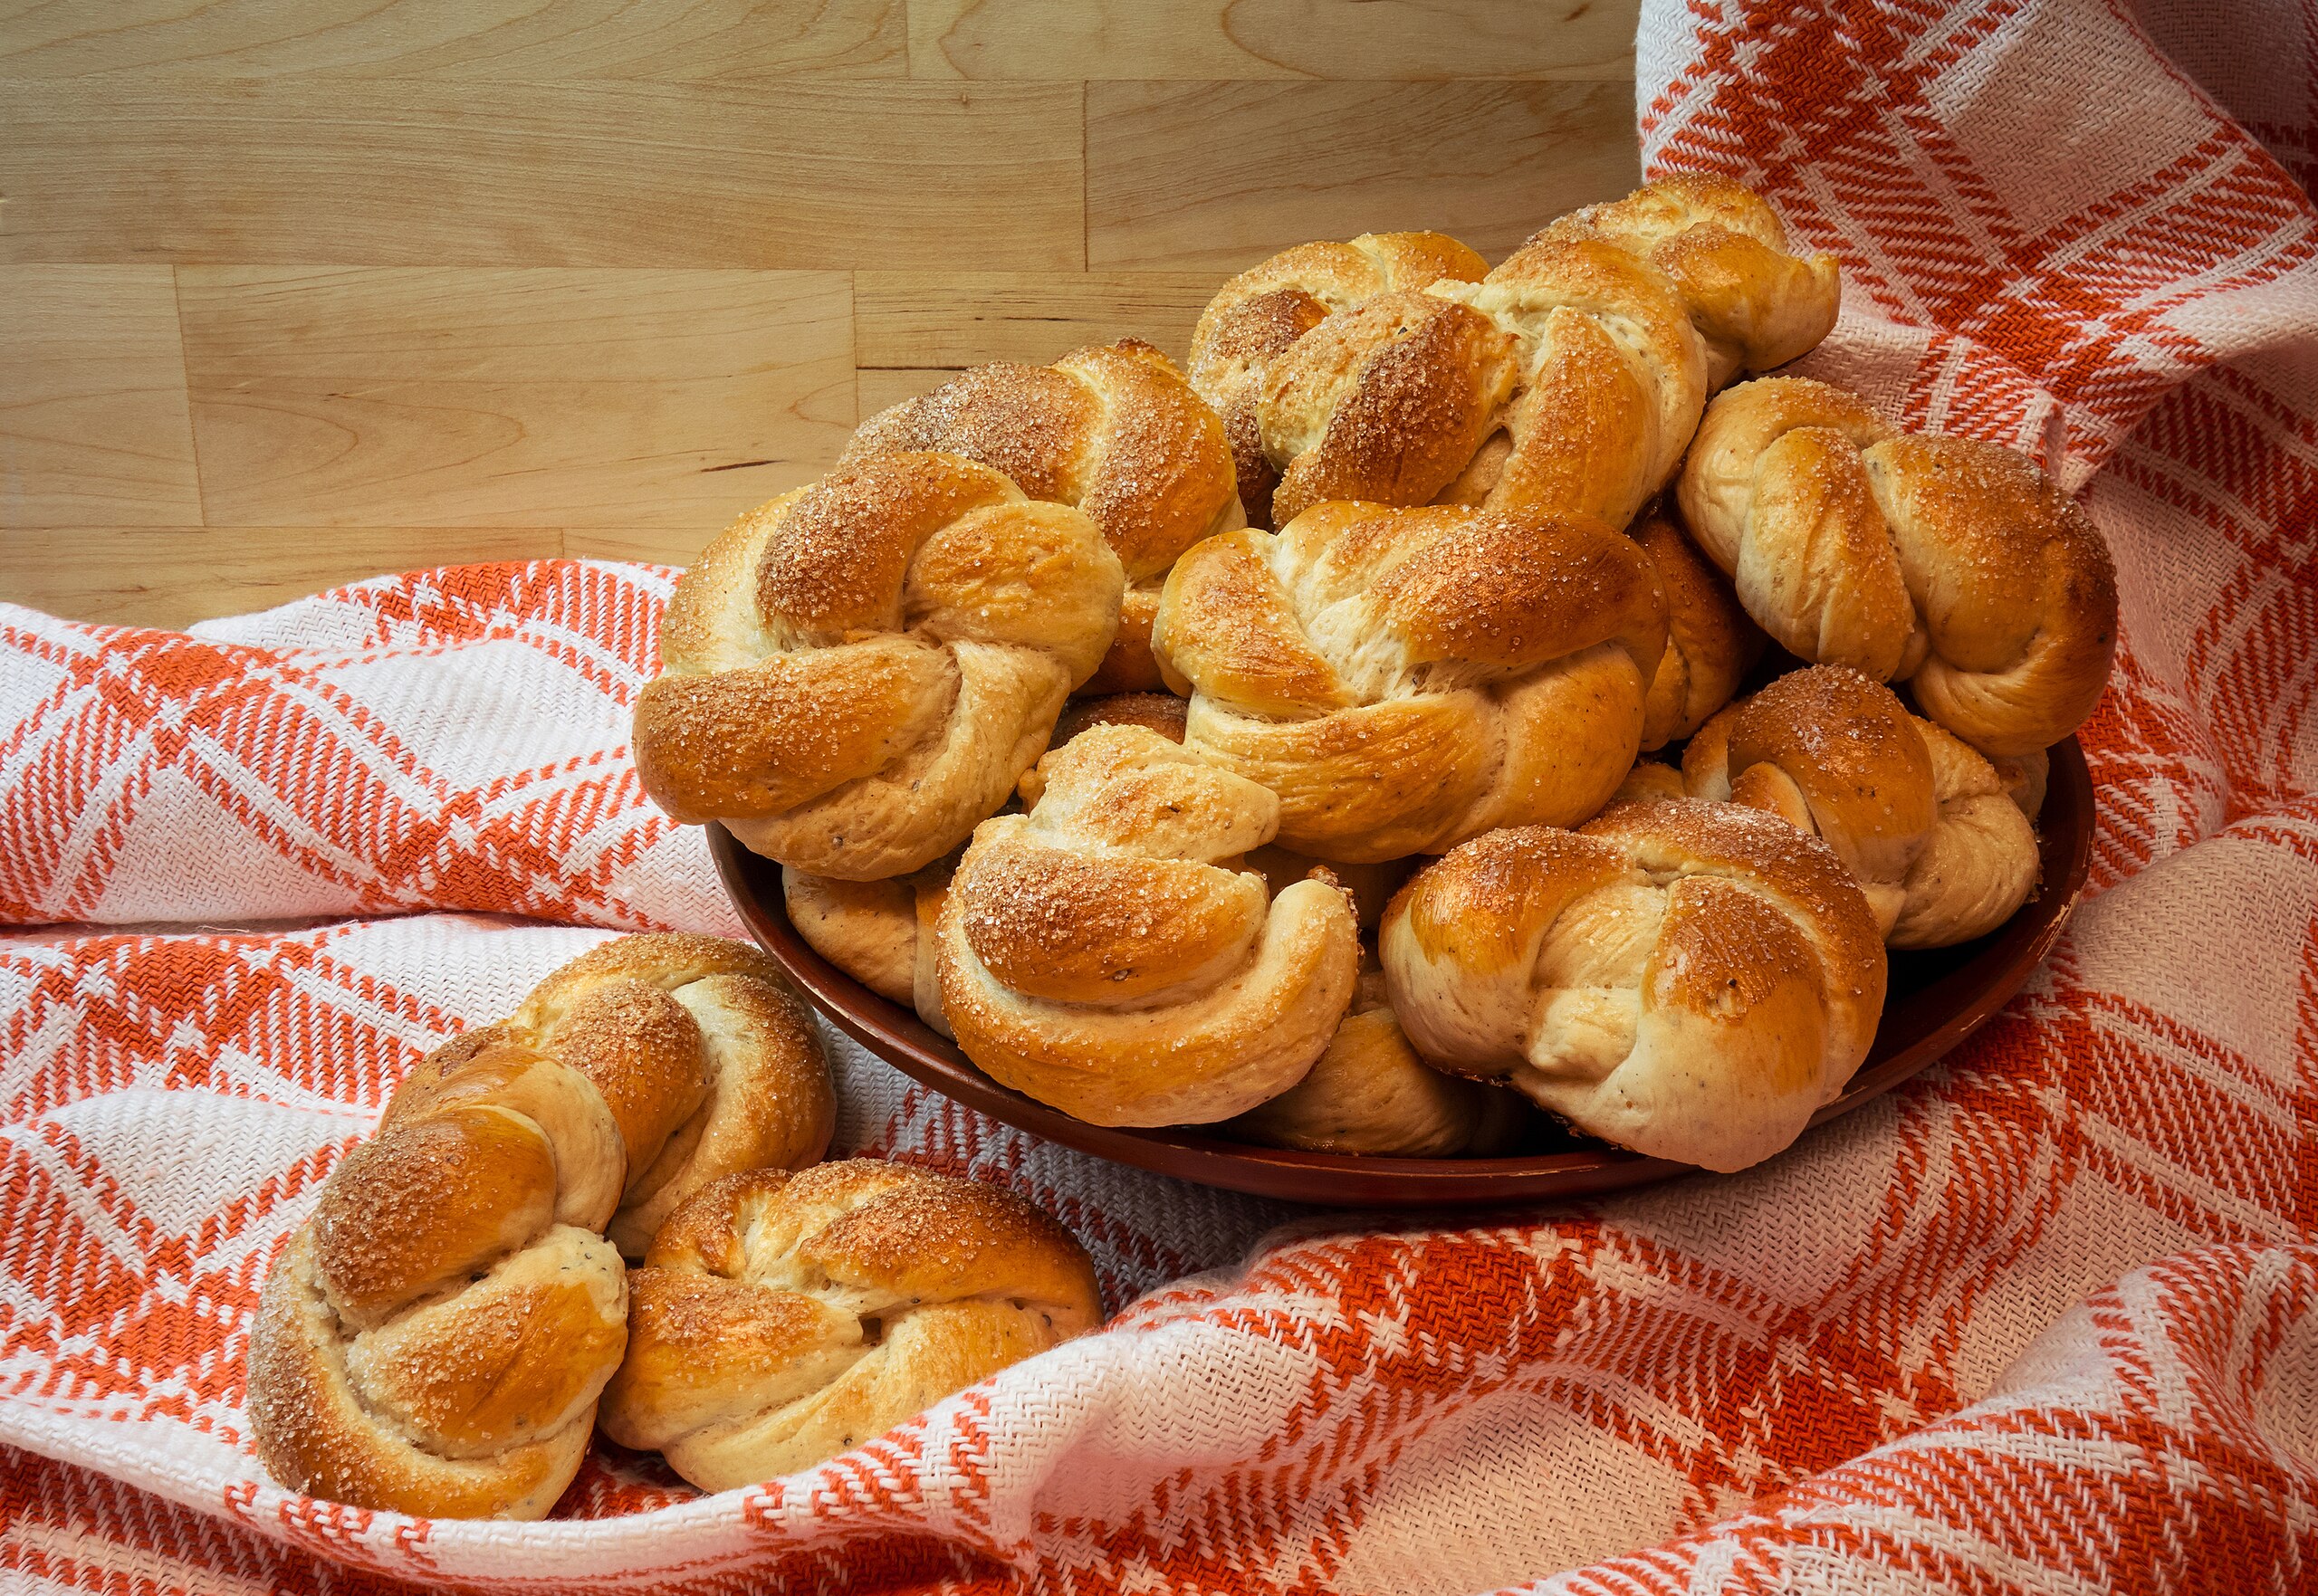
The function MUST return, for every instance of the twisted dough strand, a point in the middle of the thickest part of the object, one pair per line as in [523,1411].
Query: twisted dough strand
[783,1318]
[1690,981]
[1921,820]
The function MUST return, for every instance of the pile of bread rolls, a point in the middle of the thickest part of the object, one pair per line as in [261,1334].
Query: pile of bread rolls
[1256,746]
[1263,746]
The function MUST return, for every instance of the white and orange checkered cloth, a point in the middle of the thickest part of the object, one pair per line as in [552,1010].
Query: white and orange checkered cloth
[2046,1320]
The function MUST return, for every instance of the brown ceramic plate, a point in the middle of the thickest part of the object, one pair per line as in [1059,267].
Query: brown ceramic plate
[1937,999]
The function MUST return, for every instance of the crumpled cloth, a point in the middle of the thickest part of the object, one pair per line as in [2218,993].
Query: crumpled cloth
[2041,1321]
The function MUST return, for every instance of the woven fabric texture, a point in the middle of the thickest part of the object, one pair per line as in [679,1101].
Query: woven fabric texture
[2044,1321]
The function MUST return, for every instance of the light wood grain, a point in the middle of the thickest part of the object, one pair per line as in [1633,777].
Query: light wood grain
[175,575]
[488,279]
[1375,39]
[876,388]
[448,397]
[676,546]
[296,171]
[92,400]
[666,41]
[929,319]
[1182,176]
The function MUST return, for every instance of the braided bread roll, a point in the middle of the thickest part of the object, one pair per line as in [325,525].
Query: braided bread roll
[781,1319]
[1103,954]
[434,1339]
[1405,679]
[1948,563]
[1355,296]
[1920,819]
[1688,980]
[1395,370]
[1114,429]
[881,933]
[856,672]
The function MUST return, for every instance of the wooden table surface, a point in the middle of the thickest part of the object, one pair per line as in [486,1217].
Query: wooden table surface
[292,291]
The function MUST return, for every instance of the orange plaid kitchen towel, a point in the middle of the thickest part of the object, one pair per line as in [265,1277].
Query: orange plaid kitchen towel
[2044,1321]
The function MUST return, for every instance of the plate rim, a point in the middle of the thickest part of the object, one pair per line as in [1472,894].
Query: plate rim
[894,1033]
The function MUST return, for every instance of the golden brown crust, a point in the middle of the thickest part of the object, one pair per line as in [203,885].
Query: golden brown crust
[313,1434]
[782,1318]
[433,1342]
[1925,824]
[519,1352]
[636,1045]
[1104,955]
[1710,641]
[1114,430]
[769,1102]
[753,743]
[1689,979]
[1567,380]
[1404,679]
[858,672]
[1385,402]
[1948,563]
[439,1199]
[1257,317]
[836,560]
[1516,591]
[1159,711]
[1225,620]
[1837,755]
[1756,304]
[1479,915]
[1051,923]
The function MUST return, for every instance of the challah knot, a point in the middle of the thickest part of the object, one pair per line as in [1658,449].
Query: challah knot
[1568,379]
[1104,953]
[1948,563]
[1755,304]
[856,672]
[1405,679]
[1403,367]
[434,1339]
[1919,818]
[1114,430]
[781,1319]
[708,1059]
[1688,980]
